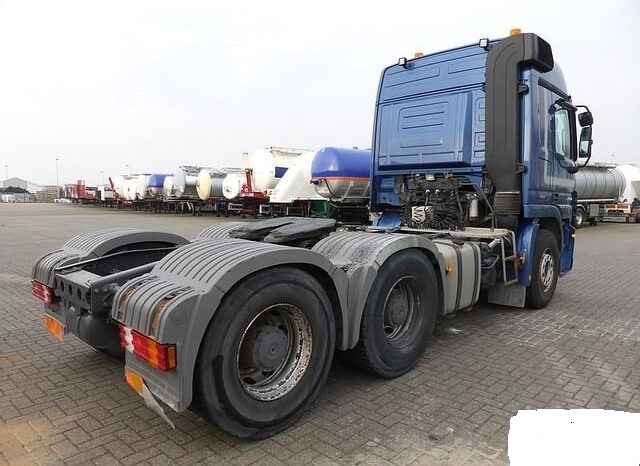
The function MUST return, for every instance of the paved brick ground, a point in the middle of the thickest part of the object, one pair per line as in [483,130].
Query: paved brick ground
[65,403]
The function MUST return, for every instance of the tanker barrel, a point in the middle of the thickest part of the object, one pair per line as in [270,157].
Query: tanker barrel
[602,184]
[342,174]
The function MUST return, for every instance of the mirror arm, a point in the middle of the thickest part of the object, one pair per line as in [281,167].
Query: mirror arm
[566,104]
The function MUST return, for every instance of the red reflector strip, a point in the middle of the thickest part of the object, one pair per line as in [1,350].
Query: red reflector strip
[42,292]
[158,355]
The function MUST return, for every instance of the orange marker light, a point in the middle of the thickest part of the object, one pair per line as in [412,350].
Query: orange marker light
[449,270]
[418,55]
[515,31]
[134,380]
[54,327]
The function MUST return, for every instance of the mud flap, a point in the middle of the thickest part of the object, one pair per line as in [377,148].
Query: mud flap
[512,295]
[137,383]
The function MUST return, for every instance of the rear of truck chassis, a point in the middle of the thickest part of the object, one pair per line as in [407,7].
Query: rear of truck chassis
[241,324]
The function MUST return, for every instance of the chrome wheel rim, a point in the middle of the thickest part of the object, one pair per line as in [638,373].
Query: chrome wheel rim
[274,352]
[400,308]
[546,270]
[579,218]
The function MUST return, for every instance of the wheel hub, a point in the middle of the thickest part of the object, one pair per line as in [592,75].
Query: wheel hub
[400,307]
[546,270]
[274,352]
[270,348]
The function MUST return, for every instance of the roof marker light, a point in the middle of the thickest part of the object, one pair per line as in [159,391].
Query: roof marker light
[484,43]
[418,55]
[402,61]
[515,31]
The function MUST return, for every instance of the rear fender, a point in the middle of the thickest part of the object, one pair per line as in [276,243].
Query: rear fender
[176,301]
[93,245]
[360,255]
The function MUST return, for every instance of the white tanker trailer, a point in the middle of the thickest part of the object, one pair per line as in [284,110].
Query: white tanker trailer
[210,182]
[124,186]
[296,185]
[267,166]
[184,183]
[596,186]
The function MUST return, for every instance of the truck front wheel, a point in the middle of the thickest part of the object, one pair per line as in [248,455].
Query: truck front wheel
[545,270]
[399,316]
[266,353]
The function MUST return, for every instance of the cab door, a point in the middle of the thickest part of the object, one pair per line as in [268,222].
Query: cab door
[557,149]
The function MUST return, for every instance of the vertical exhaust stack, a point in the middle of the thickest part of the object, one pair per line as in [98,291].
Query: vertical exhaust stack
[502,128]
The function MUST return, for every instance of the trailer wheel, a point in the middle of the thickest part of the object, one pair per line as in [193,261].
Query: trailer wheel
[546,266]
[578,221]
[266,353]
[399,316]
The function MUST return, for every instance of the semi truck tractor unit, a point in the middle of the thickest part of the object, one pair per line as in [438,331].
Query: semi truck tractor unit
[471,188]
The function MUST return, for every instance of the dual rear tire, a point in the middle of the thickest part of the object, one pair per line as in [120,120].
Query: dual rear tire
[265,354]
[269,347]
[399,316]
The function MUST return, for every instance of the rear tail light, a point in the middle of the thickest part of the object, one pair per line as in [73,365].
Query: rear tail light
[159,355]
[43,292]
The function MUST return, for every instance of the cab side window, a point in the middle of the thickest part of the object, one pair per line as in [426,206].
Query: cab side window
[560,131]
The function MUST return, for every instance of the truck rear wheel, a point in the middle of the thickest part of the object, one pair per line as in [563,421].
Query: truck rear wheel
[546,266]
[266,353]
[399,316]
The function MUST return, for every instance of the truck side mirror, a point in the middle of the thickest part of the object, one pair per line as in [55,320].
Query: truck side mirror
[585,141]
[585,119]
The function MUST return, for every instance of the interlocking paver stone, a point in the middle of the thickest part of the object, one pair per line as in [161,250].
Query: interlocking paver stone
[68,404]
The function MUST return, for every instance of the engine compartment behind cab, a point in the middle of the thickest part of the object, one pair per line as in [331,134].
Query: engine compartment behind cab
[444,202]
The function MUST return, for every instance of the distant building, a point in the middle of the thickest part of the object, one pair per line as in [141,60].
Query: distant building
[20,183]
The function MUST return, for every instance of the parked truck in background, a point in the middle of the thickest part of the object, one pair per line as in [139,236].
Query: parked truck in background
[599,187]
[474,151]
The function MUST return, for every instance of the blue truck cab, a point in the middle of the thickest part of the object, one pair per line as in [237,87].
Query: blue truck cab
[482,136]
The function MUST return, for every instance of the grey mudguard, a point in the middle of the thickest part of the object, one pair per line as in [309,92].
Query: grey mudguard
[95,244]
[175,302]
[360,255]
[220,230]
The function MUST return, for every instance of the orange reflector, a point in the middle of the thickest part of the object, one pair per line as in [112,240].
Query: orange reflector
[515,32]
[449,269]
[55,328]
[418,55]
[134,380]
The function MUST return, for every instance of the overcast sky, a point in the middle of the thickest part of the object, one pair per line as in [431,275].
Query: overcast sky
[110,86]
